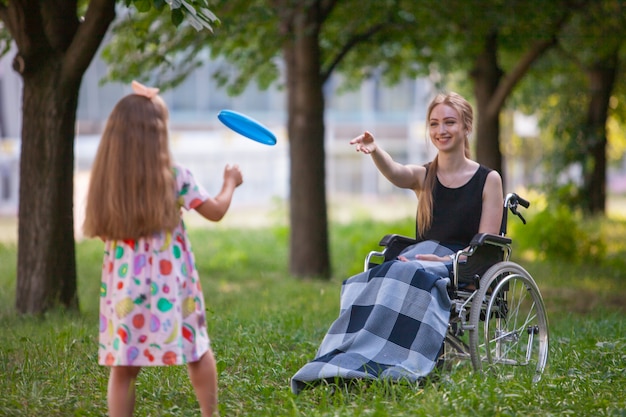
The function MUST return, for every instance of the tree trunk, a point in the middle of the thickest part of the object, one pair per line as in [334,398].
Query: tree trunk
[486,75]
[601,80]
[309,251]
[492,87]
[55,48]
[46,254]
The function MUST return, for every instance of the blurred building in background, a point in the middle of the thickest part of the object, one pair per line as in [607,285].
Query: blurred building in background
[394,114]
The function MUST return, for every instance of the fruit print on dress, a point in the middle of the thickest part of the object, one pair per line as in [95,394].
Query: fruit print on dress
[151,302]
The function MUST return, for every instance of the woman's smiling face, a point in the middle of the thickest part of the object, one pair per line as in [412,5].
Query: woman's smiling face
[446,127]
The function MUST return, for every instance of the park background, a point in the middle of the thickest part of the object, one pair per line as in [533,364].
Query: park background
[266,323]
[395,114]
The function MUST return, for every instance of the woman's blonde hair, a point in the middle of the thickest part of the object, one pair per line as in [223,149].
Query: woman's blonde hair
[425,205]
[132,188]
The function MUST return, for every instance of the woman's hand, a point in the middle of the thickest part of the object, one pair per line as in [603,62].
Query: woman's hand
[427,257]
[364,143]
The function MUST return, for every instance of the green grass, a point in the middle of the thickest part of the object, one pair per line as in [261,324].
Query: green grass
[265,324]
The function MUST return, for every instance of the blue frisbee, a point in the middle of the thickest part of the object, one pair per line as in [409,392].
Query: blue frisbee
[247,126]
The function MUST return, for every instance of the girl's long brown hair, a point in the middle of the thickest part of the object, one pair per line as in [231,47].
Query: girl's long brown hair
[132,189]
[425,205]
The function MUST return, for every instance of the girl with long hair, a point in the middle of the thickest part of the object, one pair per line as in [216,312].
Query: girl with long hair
[152,309]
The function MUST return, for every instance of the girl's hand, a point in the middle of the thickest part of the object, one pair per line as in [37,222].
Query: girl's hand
[364,143]
[233,174]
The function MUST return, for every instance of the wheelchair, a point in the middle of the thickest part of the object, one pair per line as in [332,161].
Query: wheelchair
[498,318]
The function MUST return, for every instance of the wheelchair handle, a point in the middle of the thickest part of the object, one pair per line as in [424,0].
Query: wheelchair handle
[522,202]
[511,202]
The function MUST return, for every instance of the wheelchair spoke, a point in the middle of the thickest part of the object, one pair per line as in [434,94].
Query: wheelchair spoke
[521,298]
[509,332]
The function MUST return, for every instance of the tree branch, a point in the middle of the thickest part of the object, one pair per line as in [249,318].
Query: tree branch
[326,7]
[88,38]
[510,80]
[347,47]
[24,22]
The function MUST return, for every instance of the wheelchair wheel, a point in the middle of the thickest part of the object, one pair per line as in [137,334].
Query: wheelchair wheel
[508,322]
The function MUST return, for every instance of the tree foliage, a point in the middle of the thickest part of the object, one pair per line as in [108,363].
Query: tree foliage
[580,133]
[250,36]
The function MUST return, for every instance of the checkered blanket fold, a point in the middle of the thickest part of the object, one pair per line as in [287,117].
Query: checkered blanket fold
[392,323]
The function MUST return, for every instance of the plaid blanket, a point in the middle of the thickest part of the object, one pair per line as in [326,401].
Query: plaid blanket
[392,323]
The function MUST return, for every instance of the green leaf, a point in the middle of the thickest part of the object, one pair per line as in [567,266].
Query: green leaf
[177,17]
[159,4]
[143,5]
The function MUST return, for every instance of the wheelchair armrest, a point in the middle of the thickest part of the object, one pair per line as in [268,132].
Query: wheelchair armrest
[485,250]
[394,239]
[487,238]
[395,244]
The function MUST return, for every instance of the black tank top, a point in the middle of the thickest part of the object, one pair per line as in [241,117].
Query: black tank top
[457,211]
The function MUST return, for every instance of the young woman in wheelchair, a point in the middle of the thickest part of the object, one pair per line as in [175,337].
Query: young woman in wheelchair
[393,318]
[457,197]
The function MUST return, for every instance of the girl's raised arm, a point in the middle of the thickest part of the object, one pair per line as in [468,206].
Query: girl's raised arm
[214,208]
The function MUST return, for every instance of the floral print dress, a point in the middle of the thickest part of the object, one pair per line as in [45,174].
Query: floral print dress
[152,310]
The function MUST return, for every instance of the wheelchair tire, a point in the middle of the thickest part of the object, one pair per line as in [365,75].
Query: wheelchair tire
[508,323]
